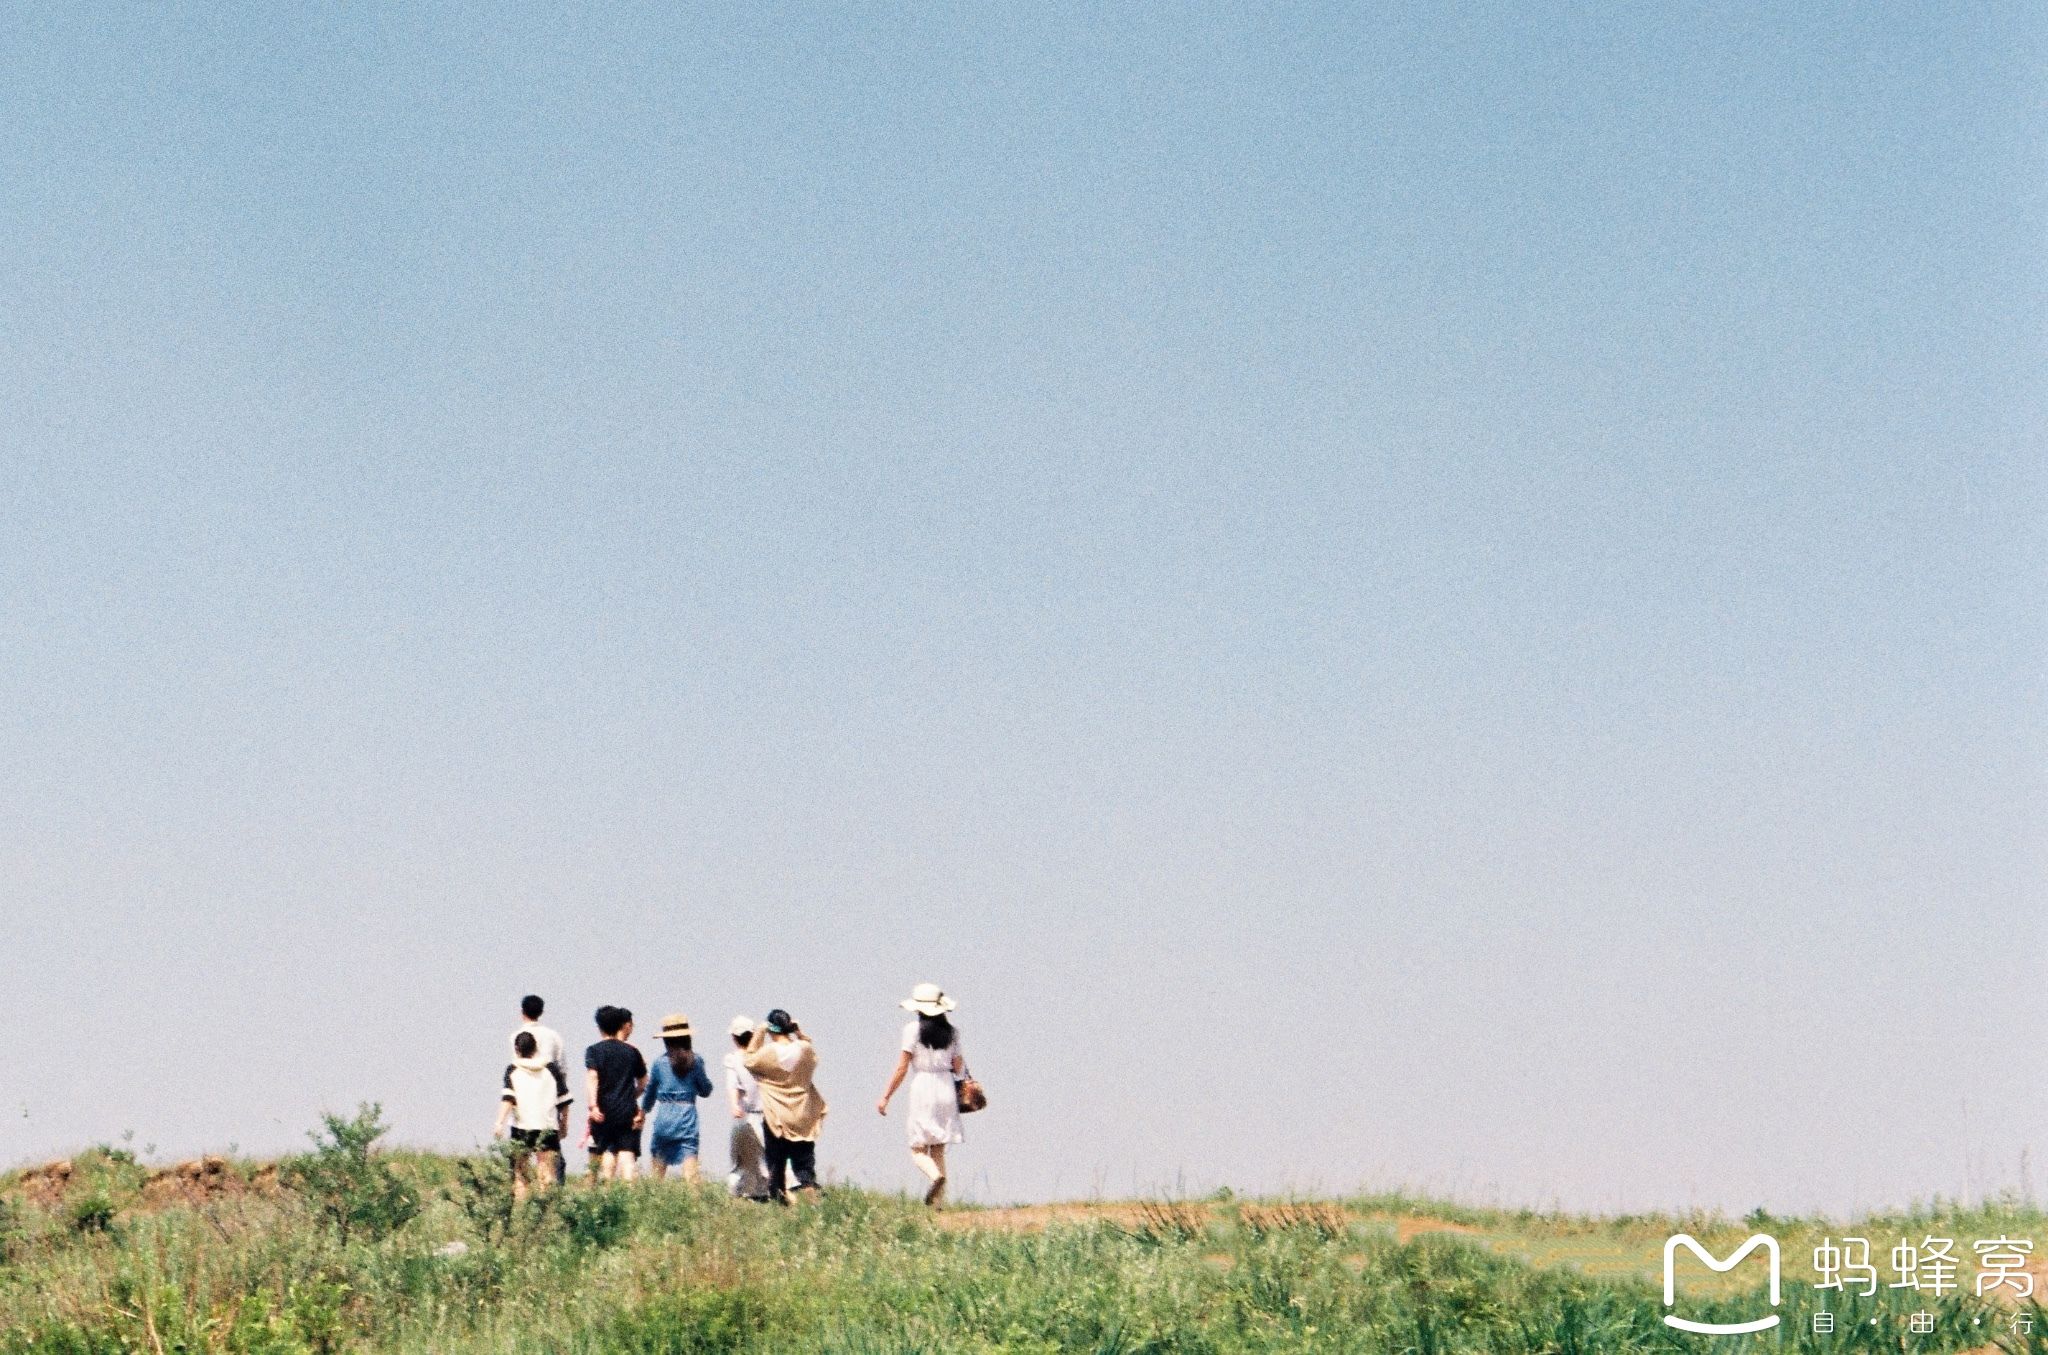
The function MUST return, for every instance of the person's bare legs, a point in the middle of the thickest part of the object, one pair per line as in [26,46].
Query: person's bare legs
[521,1168]
[629,1165]
[692,1172]
[931,1160]
[544,1168]
[659,1168]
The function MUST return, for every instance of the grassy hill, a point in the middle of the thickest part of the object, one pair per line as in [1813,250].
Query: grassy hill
[350,1249]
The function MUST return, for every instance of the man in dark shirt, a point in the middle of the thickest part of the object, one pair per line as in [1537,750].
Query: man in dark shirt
[615,1078]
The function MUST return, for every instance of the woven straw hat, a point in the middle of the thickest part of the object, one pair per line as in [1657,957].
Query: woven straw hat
[927,1000]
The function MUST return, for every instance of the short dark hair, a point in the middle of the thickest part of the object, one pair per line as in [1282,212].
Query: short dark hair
[779,1022]
[532,1007]
[611,1020]
[523,1044]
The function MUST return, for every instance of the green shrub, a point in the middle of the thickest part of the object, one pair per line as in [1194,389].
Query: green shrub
[596,1219]
[62,1338]
[92,1212]
[482,1191]
[694,1322]
[259,1329]
[347,1183]
[315,1311]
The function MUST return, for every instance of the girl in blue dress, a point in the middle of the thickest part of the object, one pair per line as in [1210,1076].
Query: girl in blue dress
[673,1086]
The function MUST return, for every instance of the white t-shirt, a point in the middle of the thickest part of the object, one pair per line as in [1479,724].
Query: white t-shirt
[743,1081]
[547,1046]
[537,1093]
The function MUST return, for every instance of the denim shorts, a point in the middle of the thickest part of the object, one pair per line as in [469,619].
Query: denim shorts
[671,1149]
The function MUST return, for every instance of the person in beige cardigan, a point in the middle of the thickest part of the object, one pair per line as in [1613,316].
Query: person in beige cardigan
[782,1061]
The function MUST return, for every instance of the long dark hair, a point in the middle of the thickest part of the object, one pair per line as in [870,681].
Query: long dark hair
[935,1032]
[679,1056]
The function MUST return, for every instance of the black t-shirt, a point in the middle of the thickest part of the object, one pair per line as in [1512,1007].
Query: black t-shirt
[619,1067]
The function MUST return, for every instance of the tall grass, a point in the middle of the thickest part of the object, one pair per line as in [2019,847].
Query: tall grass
[664,1269]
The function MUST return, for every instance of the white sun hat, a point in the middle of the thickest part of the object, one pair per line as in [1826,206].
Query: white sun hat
[927,1000]
[742,1025]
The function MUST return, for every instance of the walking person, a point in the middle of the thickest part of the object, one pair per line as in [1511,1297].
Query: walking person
[548,1049]
[748,1180]
[615,1078]
[933,1061]
[673,1086]
[535,1106]
[783,1063]
[547,1043]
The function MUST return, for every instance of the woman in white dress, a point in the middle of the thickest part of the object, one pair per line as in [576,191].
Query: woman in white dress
[748,1179]
[931,1058]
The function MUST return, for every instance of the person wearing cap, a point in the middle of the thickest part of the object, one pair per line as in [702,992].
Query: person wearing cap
[932,1059]
[783,1063]
[673,1086]
[747,1180]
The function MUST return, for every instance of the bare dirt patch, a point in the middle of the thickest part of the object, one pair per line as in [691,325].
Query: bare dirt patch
[1143,1216]
[45,1185]
[1408,1227]
[1036,1218]
[194,1182]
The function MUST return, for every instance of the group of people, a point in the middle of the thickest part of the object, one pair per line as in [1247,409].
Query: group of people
[769,1073]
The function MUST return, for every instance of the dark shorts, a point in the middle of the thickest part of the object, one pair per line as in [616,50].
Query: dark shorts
[615,1136]
[537,1140]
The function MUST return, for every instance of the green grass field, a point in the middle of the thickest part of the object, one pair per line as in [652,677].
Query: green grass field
[350,1249]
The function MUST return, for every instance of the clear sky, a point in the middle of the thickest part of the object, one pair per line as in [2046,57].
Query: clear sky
[1432,595]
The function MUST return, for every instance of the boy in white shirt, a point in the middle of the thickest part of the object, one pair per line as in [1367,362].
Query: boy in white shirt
[535,1103]
[548,1049]
[547,1044]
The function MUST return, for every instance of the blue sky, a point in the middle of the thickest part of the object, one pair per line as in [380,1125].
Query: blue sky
[1433,597]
